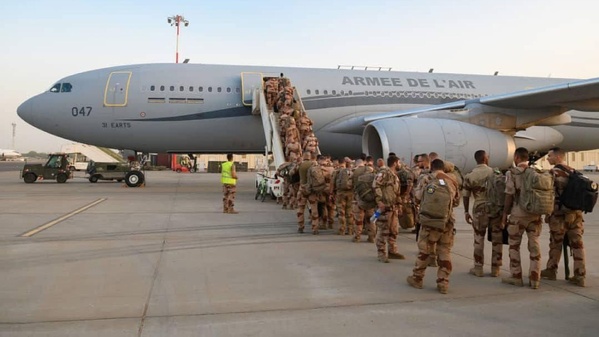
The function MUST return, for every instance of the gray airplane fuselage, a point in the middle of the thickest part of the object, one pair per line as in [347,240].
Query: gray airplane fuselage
[196,108]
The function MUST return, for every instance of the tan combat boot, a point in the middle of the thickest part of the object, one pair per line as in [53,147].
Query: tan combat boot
[577,280]
[232,211]
[477,271]
[355,239]
[396,256]
[513,281]
[370,239]
[495,271]
[442,288]
[549,274]
[412,281]
[534,284]
[383,259]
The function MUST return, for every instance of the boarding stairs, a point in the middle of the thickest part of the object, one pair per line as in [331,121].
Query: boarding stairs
[270,123]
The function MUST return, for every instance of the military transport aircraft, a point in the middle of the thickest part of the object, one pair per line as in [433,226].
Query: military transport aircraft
[197,108]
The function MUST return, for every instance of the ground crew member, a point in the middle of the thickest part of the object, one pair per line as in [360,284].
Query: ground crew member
[362,212]
[302,195]
[229,181]
[342,188]
[519,222]
[564,222]
[430,237]
[474,185]
[387,191]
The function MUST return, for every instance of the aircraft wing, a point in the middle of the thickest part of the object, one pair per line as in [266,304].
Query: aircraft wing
[578,95]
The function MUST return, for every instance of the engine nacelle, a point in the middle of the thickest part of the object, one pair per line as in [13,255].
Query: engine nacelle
[452,140]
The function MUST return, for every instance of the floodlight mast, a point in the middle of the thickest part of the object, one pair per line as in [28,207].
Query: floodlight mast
[176,20]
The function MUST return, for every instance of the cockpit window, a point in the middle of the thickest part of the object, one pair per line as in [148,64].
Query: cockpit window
[55,88]
[66,87]
[61,87]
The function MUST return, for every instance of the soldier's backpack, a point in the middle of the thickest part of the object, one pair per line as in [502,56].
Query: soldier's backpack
[580,193]
[536,195]
[316,181]
[405,176]
[363,188]
[284,170]
[343,181]
[495,193]
[436,204]
[294,176]
[455,172]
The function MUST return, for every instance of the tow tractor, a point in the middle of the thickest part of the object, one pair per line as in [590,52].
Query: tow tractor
[56,168]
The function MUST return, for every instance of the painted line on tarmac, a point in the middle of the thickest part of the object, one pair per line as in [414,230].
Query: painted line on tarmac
[62,218]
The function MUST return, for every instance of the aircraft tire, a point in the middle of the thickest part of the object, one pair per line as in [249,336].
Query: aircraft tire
[61,178]
[29,178]
[134,178]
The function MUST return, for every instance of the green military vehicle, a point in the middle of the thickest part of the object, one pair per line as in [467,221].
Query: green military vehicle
[115,171]
[57,167]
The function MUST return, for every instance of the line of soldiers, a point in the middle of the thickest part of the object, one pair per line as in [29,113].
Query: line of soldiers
[399,197]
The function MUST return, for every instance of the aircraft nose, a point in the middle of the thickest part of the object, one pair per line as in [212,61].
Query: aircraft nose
[25,110]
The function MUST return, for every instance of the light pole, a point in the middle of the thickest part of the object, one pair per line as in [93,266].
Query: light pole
[176,20]
[14,134]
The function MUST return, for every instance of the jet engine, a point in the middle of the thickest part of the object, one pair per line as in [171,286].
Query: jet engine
[452,140]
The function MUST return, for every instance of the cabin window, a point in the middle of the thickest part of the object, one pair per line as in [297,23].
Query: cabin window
[342,92]
[209,89]
[308,92]
[228,90]
[219,89]
[326,92]
[152,88]
[172,88]
[191,89]
[334,92]
[200,89]
[351,92]
[181,88]
[162,88]
[317,92]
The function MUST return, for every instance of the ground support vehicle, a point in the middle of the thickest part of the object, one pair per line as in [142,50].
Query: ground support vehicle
[133,177]
[267,184]
[56,168]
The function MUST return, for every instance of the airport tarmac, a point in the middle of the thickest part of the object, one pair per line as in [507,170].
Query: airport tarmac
[164,260]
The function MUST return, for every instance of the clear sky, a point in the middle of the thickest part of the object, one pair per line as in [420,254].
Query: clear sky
[42,41]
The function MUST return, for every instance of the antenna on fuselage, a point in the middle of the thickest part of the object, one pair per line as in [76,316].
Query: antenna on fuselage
[186,61]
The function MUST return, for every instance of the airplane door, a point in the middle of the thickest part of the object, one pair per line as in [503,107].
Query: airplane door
[249,82]
[117,89]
